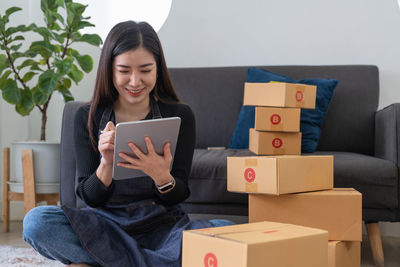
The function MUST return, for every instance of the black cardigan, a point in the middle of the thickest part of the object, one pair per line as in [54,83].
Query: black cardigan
[95,193]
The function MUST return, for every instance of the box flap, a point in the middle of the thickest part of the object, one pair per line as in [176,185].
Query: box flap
[259,232]
[283,232]
[238,228]
[337,191]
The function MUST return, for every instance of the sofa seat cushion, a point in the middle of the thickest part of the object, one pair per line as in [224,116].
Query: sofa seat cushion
[207,180]
[375,178]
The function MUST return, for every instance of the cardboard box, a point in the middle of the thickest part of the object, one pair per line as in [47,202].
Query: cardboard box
[344,253]
[277,119]
[255,245]
[289,95]
[338,211]
[278,175]
[274,143]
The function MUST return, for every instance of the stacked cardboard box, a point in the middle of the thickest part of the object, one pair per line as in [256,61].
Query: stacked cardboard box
[277,120]
[255,245]
[293,208]
[279,180]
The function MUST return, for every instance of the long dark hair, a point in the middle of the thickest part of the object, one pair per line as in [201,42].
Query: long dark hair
[123,37]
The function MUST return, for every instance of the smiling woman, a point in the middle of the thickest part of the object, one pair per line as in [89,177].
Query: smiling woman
[139,216]
[155,12]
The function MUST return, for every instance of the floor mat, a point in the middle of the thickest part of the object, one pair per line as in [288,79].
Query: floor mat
[11,256]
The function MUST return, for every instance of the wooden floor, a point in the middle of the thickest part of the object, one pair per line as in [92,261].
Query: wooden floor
[391,246]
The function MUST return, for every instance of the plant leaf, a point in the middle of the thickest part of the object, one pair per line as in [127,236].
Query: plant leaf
[44,48]
[12,10]
[84,24]
[66,94]
[16,47]
[25,106]
[85,62]
[11,92]
[39,97]
[92,39]
[64,66]
[3,79]
[44,32]
[28,76]
[20,28]
[48,81]
[75,74]
[27,62]
[3,62]
[74,14]
[67,83]
[16,38]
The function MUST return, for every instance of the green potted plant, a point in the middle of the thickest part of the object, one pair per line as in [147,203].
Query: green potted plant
[32,70]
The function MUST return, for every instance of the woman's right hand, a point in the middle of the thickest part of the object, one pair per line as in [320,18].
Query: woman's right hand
[106,144]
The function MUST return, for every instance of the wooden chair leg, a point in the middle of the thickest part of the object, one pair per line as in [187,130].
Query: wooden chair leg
[29,180]
[6,178]
[375,241]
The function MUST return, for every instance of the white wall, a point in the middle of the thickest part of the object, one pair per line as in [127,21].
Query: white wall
[279,32]
[252,32]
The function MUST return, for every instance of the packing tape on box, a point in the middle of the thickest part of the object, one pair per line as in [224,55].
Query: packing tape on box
[279,151]
[251,162]
[251,187]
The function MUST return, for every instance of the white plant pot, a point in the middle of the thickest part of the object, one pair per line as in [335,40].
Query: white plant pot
[46,164]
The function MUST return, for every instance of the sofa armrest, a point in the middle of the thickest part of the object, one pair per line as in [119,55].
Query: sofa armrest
[387,133]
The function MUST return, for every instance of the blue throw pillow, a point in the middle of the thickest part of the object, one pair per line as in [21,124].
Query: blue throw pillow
[310,119]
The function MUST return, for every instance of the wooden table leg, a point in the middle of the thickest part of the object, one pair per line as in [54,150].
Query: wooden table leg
[375,241]
[29,180]
[6,178]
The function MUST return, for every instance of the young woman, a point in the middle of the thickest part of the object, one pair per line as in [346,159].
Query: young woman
[131,222]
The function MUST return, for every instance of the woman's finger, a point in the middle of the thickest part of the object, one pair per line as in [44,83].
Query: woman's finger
[110,134]
[127,165]
[107,146]
[136,150]
[149,145]
[109,126]
[167,152]
[127,158]
[108,139]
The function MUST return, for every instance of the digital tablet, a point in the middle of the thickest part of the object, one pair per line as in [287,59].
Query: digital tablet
[160,131]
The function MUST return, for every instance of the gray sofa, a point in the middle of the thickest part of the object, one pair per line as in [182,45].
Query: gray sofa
[364,142]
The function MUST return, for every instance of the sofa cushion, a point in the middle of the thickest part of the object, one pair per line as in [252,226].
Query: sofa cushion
[376,178]
[207,180]
[311,119]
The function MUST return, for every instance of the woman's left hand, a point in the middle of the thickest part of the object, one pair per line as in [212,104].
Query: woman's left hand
[152,164]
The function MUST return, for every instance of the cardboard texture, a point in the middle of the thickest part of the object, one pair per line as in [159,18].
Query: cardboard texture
[255,245]
[277,119]
[344,254]
[338,211]
[290,95]
[274,143]
[278,175]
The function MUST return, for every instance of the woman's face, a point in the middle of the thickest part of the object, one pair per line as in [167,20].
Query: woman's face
[134,75]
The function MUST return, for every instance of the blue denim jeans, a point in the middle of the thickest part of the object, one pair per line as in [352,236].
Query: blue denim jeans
[48,230]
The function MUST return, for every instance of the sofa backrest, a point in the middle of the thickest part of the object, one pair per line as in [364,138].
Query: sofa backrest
[216,96]
[68,179]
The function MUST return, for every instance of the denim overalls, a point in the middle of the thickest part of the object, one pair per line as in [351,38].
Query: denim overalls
[134,228]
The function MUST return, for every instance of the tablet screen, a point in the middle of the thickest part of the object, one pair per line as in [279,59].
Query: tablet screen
[160,131]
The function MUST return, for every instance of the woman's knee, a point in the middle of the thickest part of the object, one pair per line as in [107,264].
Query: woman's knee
[40,222]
